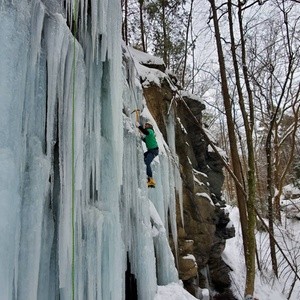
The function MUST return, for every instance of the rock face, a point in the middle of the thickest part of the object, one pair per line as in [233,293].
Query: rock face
[202,233]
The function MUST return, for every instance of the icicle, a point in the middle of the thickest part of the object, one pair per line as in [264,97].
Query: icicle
[178,184]
[174,164]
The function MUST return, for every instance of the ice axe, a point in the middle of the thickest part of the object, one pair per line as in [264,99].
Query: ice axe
[137,116]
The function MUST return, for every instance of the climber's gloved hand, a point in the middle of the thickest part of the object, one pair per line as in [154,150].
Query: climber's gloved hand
[137,124]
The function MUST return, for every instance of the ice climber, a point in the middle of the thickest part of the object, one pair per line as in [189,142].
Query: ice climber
[152,149]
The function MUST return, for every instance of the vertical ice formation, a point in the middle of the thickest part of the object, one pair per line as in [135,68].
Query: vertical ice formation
[48,79]
[135,206]
[146,238]
[44,71]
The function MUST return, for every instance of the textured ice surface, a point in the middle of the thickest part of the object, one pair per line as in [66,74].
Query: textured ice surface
[64,137]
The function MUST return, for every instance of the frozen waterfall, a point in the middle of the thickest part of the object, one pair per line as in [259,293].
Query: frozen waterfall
[74,207]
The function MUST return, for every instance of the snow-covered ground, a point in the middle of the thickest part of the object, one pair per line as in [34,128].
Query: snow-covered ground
[173,291]
[234,257]
[267,287]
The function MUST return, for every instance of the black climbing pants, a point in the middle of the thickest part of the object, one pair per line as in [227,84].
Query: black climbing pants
[148,158]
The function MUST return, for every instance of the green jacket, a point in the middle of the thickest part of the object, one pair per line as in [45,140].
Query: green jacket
[150,138]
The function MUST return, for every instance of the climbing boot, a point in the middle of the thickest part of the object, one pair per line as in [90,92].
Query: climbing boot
[151,182]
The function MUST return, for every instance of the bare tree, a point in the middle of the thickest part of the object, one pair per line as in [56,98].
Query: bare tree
[141,8]
[272,77]
[242,200]
[189,25]
[248,121]
[125,21]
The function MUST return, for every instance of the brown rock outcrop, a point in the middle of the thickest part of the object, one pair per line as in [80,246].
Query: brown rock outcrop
[204,232]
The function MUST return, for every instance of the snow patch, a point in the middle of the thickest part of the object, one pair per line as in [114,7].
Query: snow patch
[174,291]
[206,196]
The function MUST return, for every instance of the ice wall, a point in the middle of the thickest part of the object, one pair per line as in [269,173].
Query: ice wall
[146,213]
[72,206]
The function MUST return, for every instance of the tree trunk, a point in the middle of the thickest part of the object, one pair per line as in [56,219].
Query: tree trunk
[249,123]
[231,132]
[250,164]
[165,37]
[125,24]
[270,200]
[186,42]
[141,2]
